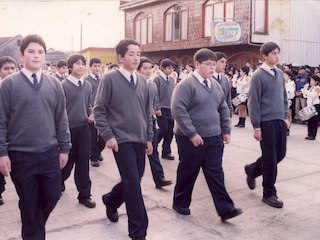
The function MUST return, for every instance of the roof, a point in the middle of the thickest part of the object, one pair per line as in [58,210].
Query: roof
[96,49]
[129,4]
[4,41]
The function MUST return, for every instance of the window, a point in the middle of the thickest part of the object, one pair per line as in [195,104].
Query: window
[260,9]
[176,23]
[143,28]
[217,11]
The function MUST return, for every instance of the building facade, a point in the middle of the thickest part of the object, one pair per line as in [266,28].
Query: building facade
[176,29]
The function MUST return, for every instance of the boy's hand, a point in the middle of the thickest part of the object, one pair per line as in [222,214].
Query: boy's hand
[112,144]
[197,140]
[91,118]
[226,138]
[149,148]
[5,165]
[159,113]
[257,134]
[63,159]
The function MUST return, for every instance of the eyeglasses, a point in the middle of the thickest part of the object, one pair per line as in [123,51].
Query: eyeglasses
[210,65]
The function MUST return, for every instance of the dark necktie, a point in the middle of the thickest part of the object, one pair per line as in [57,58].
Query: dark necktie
[79,83]
[35,79]
[218,77]
[274,70]
[206,83]
[131,79]
[167,78]
[97,77]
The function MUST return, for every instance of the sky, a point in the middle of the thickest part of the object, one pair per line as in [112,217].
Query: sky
[59,22]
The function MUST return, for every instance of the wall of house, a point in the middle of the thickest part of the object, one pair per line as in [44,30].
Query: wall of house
[294,25]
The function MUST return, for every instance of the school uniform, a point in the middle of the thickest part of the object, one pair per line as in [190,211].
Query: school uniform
[225,85]
[97,142]
[33,131]
[79,107]
[165,85]
[60,77]
[194,114]
[313,100]
[122,111]
[268,106]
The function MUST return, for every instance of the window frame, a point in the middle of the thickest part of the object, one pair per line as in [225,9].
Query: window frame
[148,19]
[266,16]
[180,9]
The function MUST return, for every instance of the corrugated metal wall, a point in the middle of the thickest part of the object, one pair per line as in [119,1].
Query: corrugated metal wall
[295,25]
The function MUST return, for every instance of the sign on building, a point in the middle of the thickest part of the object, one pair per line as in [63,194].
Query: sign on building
[226,32]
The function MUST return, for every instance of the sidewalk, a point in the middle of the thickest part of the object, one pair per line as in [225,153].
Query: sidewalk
[297,185]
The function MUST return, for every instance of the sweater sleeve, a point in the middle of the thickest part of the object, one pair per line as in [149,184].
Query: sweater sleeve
[61,122]
[4,117]
[254,101]
[89,107]
[182,95]
[100,108]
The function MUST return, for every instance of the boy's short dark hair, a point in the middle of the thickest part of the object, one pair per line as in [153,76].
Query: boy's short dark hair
[32,38]
[61,63]
[113,65]
[268,47]
[122,46]
[246,69]
[7,59]
[94,60]
[290,74]
[144,60]
[220,55]
[73,58]
[316,78]
[166,62]
[204,54]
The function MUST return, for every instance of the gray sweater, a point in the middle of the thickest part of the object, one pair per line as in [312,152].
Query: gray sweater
[94,84]
[267,99]
[224,83]
[79,103]
[199,110]
[154,99]
[123,110]
[165,89]
[33,119]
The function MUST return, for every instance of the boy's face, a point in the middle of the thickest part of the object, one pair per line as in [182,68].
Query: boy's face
[78,69]
[62,70]
[167,70]
[7,69]
[206,68]
[33,57]
[54,69]
[130,61]
[221,65]
[146,70]
[272,58]
[96,68]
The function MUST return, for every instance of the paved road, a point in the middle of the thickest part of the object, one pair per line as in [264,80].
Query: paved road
[298,186]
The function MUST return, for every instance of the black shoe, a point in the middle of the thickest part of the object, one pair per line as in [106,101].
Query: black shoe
[1,200]
[181,210]
[112,213]
[163,182]
[288,132]
[273,201]
[139,238]
[95,163]
[100,158]
[88,202]
[306,138]
[168,157]
[235,212]
[310,138]
[251,181]
[241,126]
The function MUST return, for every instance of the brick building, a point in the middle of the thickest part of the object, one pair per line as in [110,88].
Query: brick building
[177,29]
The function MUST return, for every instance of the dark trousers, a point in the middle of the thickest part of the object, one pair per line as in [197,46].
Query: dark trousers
[79,156]
[37,178]
[165,131]
[313,123]
[97,143]
[209,158]
[273,146]
[2,183]
[131,162]
[156,168]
